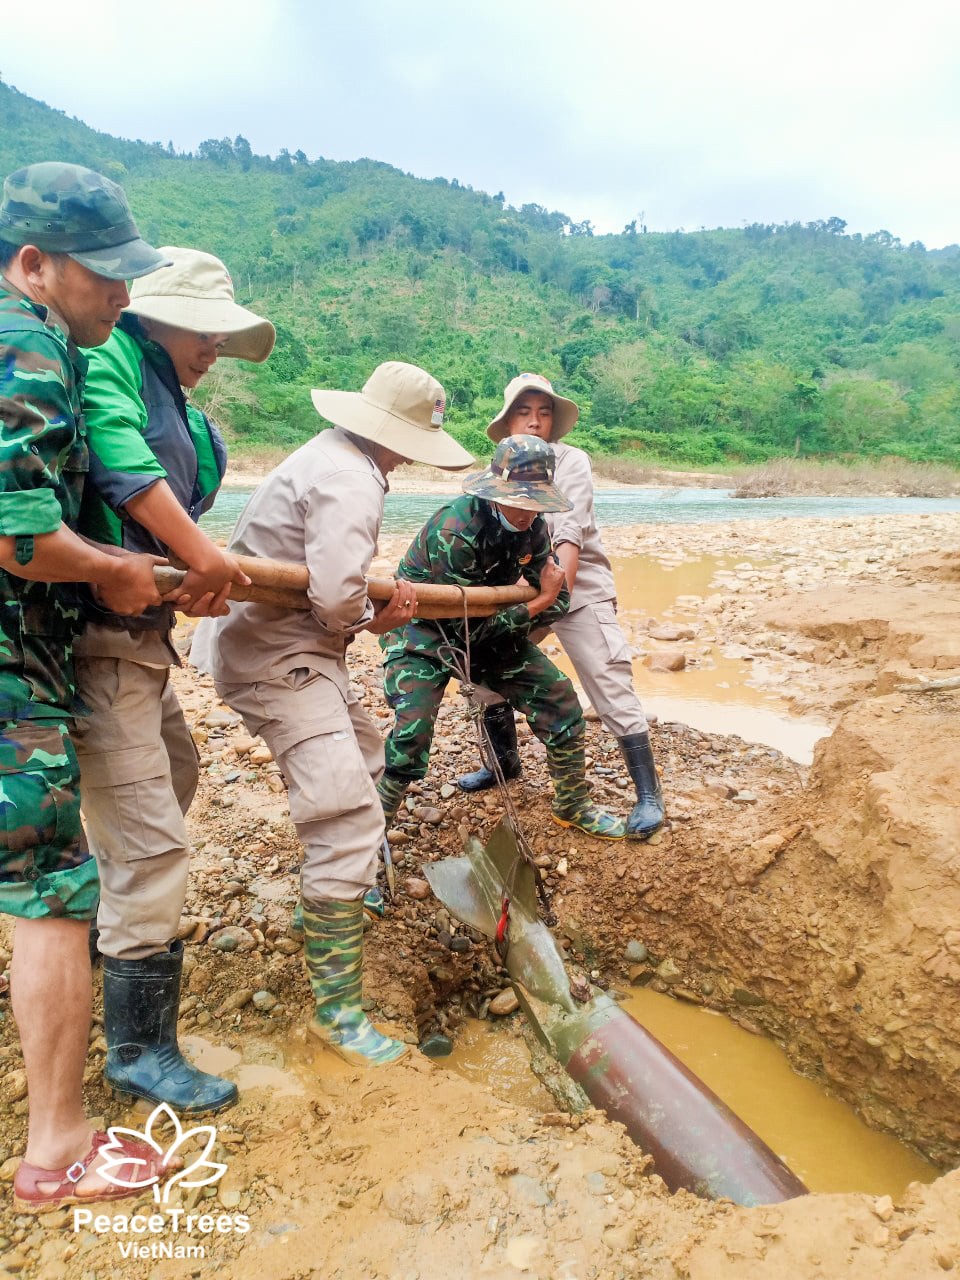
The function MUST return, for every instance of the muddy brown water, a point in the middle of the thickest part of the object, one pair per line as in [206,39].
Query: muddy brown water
[822,1140]
[714,693]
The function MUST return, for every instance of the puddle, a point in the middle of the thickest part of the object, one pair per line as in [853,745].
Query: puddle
[258,1067]
[486,1053]
[821,1139]
[715,693]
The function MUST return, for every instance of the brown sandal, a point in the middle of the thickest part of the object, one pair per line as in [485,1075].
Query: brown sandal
[28,1197]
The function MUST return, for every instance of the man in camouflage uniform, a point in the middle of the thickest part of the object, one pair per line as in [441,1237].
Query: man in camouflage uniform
[67,245]
[491,536]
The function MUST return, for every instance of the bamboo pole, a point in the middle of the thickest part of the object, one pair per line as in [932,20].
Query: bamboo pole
[283,585]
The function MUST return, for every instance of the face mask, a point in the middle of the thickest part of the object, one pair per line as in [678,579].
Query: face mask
[511,528]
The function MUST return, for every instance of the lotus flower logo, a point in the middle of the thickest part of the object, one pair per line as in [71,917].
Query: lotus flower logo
[116,1156]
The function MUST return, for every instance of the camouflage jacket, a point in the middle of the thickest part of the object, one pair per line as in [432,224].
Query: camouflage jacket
[43,462]
[465,544]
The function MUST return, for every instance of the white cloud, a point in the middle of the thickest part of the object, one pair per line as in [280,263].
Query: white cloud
[696,113]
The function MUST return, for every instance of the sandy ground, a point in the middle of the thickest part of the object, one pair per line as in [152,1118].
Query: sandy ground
[819,907]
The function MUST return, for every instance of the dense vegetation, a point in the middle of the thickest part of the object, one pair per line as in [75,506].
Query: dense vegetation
[692,347]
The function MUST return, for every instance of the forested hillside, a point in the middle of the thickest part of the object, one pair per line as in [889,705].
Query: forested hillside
[696,347]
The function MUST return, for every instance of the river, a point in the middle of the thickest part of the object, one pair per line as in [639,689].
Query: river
[406,512]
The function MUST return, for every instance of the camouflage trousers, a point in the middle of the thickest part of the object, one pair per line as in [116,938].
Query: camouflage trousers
[45,865]
[414,682]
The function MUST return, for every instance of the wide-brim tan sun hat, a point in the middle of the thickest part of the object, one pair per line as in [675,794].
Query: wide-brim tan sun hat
[196,293]
[400,407]
[565,412]
[520,475]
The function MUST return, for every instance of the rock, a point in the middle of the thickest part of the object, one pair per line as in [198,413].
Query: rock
[447,791]
[436,1046]
[747,999]
[460,944]
[668,972]
[243,744]
[745,797]
[233,888]
[504,1003]
[719,788]
[664,660]
[233,938]
[428,814]
[261,755]
[229,1199]
[237,1000]
[232,775]
[221,719]
[287,946]
[416,888]
[635,952]
[883,1208]
[561,866]
[13,1086]
[9,1168]
[264,1000]
[668,631]
[530,1190]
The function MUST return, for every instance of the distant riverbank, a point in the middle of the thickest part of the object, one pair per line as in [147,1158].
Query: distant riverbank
[778,477]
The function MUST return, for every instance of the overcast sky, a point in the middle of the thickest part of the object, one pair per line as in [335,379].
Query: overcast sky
[692,114]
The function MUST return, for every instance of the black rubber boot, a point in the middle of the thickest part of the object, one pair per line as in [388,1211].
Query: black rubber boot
[500,725]
[141,1000]
[647,814]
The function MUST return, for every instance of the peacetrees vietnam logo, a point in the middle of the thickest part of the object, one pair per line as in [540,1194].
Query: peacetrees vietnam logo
[167,1221]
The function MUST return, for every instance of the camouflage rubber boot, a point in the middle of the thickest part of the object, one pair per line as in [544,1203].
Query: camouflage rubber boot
[333,951]
[391,789]
[572,806]
[374,908]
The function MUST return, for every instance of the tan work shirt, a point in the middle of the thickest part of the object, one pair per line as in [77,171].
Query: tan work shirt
[574,479]
[321,507]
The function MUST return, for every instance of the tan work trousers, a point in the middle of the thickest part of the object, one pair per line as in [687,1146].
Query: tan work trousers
[138,775]
[598,651]
[332,757]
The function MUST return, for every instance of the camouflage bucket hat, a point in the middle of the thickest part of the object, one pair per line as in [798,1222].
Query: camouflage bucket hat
[64,208]
[520,474]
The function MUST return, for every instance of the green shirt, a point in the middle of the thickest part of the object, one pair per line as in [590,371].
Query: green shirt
[117,420]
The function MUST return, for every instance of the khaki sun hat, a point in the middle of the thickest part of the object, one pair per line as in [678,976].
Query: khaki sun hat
[195,292]
[565,412]
[520,474]
[400,407]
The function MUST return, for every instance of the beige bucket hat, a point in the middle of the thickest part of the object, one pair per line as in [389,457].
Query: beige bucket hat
[565,412]
[195,292]
[400,407]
